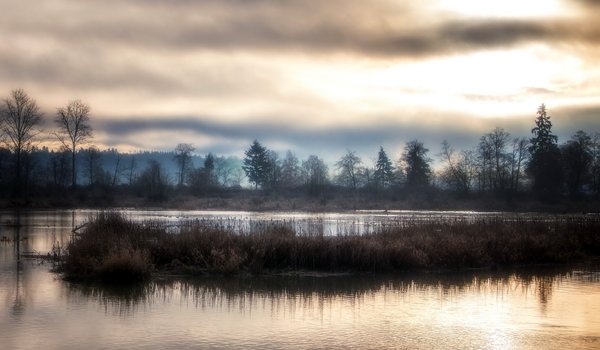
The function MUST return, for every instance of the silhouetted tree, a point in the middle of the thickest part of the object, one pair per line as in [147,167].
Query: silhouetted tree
[349,166]
[290,170]
[384,170]
[484,165]
[203,179]
[209,169]
[274,170]
[494,160]
[5,164]
[595,167]
[577,160]
[61,167]
[416,165]
[499,139]
[73,130]
[314,173]
[131,170]
[93,167]
[118,169]
[544,166]
[518,158]
[153,181]
[228,171]
[20,116]
[458,171]
[183,157]
[256,164]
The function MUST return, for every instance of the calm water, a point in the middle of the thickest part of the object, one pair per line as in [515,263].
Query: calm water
[551,308]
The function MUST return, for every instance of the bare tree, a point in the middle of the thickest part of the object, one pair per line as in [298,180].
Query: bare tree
[60,167]
[349,167]
[183,157]
[495,160]
[290,170]
[595,168]
[74,129]
[314,173]
[459,170]
[92,166]
[20,117]
[131,170]
[117,169]
[518,157]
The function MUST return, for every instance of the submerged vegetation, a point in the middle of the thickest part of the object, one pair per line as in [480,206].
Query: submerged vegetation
[112,247]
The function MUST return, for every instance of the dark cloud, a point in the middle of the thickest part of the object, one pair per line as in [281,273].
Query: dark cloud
[357,27]
[566,121]
[82,72]
[328,142]
[461,132]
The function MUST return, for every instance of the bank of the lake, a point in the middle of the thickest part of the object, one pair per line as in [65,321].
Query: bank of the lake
[112,247]
[332,201]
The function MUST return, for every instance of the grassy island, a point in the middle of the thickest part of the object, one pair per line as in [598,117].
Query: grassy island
[111,247]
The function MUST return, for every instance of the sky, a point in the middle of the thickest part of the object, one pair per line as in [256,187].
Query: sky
[316,77]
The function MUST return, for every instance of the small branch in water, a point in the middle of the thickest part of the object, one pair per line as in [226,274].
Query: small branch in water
[79,227]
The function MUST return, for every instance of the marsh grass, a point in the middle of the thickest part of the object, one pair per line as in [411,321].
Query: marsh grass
[114,248]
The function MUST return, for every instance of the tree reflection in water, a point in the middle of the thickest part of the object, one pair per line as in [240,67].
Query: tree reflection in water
[245,293]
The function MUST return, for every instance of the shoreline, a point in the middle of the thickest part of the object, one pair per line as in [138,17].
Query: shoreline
[259,203]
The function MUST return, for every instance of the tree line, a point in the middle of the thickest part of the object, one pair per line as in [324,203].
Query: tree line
[499,165]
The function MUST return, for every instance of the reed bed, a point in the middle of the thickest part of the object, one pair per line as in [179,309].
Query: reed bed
[112,247]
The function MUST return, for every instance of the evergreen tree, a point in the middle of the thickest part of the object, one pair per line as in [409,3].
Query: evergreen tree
[384,170]
[209,169]
[545,166]
[256,164]
[418,172]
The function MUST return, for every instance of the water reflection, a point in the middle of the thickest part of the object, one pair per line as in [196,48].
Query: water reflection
[530,309]
[244,294]
[538,308]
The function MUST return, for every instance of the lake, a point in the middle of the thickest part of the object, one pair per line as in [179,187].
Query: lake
[533,308]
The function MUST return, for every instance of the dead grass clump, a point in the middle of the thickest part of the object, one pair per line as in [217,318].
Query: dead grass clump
[112,247]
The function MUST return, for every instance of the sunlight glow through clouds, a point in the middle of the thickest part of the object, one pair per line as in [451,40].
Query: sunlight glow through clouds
[485,84]
[505,8]
[299,69]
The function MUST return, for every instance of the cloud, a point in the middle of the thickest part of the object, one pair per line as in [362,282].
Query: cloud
[373,29]
[79,71]
[309,75]
[330,142]
[230,139]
